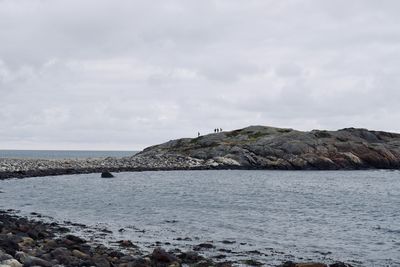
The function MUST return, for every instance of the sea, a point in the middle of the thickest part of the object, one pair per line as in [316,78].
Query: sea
[63,154]
[267,216]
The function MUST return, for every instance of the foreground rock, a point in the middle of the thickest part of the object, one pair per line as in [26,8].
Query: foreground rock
[254,147]
[31,243]
[26,242]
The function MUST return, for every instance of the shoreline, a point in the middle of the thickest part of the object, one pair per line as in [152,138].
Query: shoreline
[33,242]
[26,168]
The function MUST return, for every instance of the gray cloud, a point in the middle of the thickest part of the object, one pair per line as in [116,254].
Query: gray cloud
[127,74]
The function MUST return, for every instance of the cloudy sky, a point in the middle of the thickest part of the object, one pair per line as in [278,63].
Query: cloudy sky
[114,74]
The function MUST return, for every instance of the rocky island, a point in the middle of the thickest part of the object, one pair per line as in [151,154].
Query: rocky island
[261,147]
[254,147]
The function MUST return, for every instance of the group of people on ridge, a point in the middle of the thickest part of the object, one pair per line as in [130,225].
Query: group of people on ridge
[216,130]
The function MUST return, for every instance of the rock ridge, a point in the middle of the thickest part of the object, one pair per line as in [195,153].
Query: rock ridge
[263,147]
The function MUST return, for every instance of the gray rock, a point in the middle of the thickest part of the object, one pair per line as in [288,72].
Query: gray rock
[29,260]
[106,175]
[276,148]
[10,263]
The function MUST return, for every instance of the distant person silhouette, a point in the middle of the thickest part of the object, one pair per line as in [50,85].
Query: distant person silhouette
[198,134]
[220,129]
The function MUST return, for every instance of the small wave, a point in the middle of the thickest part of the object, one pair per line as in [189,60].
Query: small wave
[387,230]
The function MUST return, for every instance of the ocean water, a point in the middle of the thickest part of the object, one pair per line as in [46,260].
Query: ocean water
[63,154]
[270,216]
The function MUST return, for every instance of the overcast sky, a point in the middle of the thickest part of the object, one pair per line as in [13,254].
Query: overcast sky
[123,75]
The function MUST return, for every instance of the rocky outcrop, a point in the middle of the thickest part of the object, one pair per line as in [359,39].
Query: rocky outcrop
[262,147]
[254,147]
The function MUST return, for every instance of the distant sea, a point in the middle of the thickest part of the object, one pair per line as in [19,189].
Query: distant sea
[63,154]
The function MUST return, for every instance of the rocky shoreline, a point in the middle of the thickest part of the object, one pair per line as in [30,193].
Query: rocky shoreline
[28,242]
[23,168]
[254,147]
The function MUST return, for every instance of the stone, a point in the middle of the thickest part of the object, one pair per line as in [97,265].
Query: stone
[26,241]
[10,263]
[4,256]
[190,257]
[75,239]
[9,243]
[161,255]
[252,262]
[28,260]
[203,246]
[80,254]
[107,175]
[100,261]
[126,243]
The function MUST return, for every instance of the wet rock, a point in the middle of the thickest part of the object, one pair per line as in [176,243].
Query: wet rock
[228,242]
[105,230]
[220,256]
[183,239]
[61,253]
[26,241]
[4,256]
[203,263]
[10,263]
[80,254]
[75,239]
[107,175]
[100,261]
[140,262]
[161,255]
[190,257]
[9,243]
[224,264]
[126,243]
[203,246]
[254,252]
[252,262]
[28,260]
[225,250]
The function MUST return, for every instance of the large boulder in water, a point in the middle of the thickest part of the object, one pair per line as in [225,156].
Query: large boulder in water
[106,175]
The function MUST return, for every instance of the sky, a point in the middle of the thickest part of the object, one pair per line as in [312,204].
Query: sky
[126,74]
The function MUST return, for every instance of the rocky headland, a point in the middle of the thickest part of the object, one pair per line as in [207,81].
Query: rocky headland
[254,147]
[261,147]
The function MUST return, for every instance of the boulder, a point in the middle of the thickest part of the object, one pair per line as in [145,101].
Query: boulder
[161,255]
[107,175]
[10,263]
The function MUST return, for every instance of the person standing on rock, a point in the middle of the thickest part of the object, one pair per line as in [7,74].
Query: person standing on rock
[198,134]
